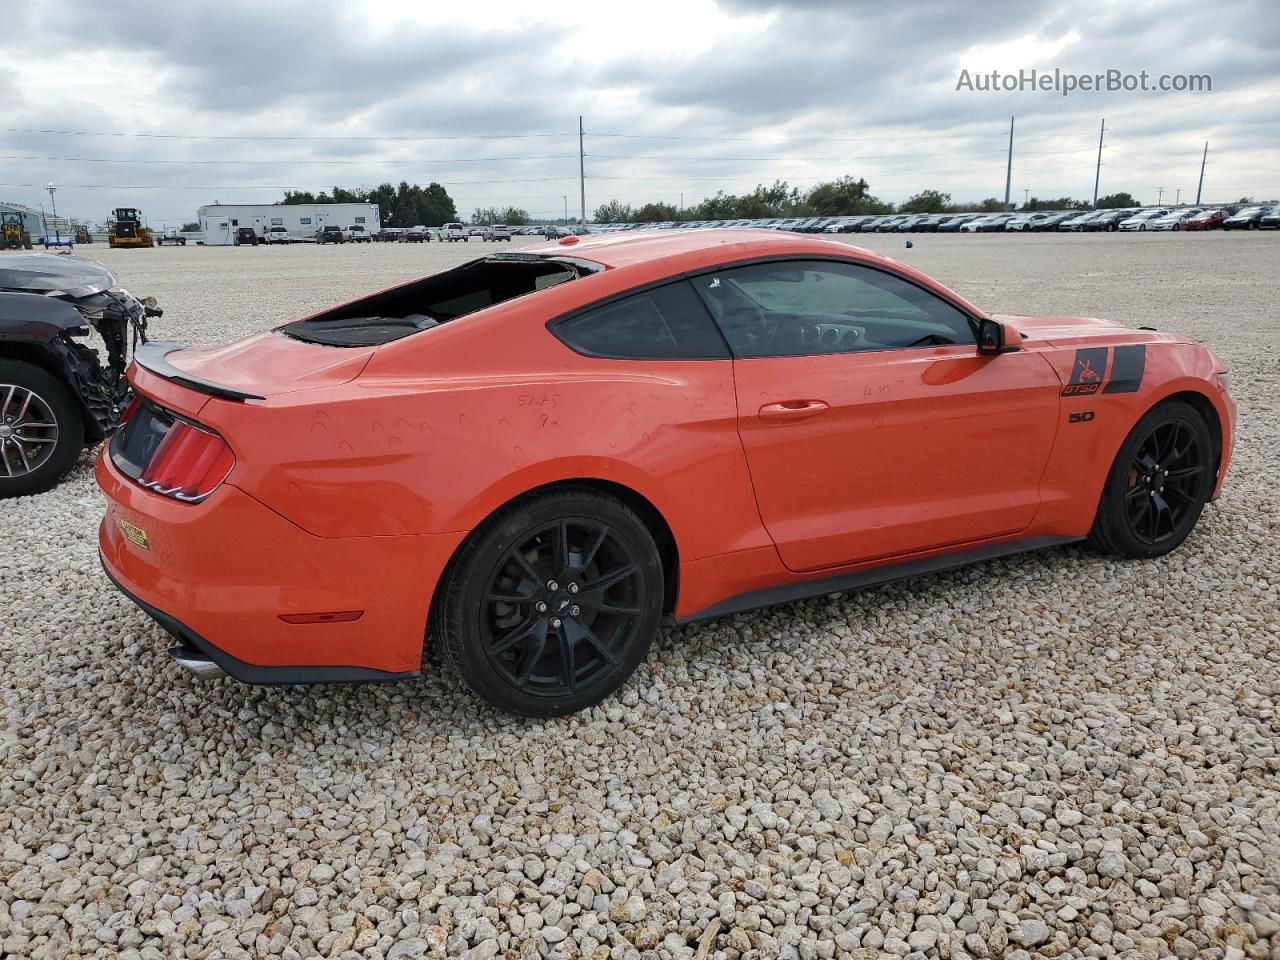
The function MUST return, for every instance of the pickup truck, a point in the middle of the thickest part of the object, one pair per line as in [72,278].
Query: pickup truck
[356,233]
[497,231]
[331,234]
[454,231]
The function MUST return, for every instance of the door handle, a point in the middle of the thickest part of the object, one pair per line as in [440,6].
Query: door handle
[793,409]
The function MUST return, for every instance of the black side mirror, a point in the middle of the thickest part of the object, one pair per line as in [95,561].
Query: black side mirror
[991,338]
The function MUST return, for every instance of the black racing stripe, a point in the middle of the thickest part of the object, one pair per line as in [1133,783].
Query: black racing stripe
[1126,369]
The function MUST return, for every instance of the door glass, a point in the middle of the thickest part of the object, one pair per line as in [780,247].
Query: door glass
[807,307]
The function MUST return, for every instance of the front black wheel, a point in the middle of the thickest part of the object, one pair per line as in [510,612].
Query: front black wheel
[41,431]
[1158,485]
[551,604]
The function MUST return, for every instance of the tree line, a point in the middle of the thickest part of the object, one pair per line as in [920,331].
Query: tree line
[845,196]
[406,205]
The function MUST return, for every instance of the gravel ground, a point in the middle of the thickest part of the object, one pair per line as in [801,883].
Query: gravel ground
[1057,755]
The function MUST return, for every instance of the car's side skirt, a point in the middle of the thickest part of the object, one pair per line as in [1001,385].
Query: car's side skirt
[872,576]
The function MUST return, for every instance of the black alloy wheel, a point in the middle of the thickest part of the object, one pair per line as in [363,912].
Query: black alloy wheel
[1158,484]
[552,604]
[1164,482]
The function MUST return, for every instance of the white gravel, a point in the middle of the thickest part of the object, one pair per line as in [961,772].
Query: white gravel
[1058,755]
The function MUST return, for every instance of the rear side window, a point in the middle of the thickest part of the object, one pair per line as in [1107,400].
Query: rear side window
[666,323]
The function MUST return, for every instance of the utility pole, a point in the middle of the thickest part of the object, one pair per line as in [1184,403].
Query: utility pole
[1178,201]
[566,209]
[1203,158]
[582,175]
[1008,173]
[1097,171]
[1159,195]
[682,201]
[1026,196]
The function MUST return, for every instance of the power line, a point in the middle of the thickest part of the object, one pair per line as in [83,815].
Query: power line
[195,136]
[366,162]
[846,158]
[776,140]
[256,186]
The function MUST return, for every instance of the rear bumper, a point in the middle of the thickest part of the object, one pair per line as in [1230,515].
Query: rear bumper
[198,656]
[220,575]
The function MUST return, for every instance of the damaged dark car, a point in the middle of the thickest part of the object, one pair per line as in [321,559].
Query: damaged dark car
[61,388]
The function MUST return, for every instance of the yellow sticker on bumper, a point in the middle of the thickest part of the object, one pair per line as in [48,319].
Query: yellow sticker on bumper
[135,535]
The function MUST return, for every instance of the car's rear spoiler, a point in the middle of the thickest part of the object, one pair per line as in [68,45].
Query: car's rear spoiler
[153,356]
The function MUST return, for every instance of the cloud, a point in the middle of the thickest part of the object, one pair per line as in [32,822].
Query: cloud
[802,90]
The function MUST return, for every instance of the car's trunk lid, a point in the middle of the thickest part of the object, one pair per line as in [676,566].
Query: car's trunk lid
[261,366]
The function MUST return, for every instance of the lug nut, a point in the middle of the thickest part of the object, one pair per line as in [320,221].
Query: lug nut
[552,585]
[540,607]
[574,611]
[555,622]
[573,588]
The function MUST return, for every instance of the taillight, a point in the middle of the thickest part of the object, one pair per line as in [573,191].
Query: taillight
[188,464]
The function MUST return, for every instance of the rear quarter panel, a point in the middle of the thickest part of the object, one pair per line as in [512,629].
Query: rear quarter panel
[442,429]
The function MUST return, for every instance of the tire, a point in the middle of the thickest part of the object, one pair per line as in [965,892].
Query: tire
[1174,491]
[507,608]
[32,391]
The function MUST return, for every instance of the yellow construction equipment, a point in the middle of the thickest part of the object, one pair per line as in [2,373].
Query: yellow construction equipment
[126,229]
[13,235]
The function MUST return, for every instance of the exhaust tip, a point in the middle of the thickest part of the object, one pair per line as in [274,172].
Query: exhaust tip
[193,661]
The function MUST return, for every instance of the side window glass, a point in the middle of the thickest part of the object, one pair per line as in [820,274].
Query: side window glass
[666,323]
[802,308]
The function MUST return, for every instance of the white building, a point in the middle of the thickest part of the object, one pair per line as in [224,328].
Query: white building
[219,221]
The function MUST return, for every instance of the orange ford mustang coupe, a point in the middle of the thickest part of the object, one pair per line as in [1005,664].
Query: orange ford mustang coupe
[527,461]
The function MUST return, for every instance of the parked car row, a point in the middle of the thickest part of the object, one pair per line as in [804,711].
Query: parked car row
[450,232]
[1228,217]
[278,235]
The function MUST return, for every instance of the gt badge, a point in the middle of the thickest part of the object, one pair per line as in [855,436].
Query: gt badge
[135,535]
[1086,373]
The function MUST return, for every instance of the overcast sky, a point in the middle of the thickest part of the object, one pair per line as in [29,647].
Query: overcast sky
[678,96]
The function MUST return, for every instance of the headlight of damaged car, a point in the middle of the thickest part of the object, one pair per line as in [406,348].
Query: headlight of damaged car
[1224,380]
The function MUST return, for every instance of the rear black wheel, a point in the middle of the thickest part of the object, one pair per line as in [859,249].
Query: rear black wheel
[551,604]
[41,431]
[1158,485]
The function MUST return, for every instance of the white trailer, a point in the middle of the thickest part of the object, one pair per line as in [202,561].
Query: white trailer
[220,221]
